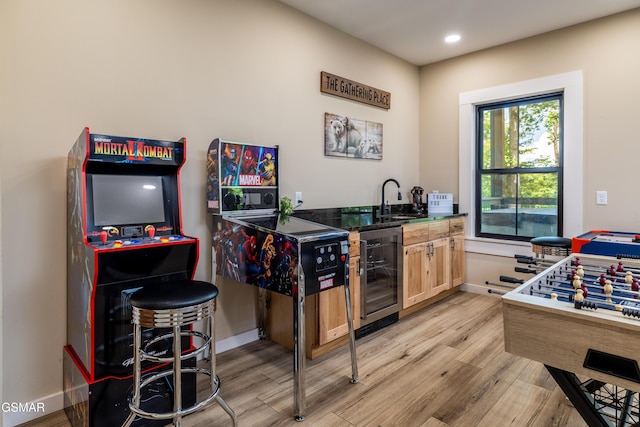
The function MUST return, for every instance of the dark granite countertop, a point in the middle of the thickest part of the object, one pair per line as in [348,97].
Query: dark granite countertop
[362,218]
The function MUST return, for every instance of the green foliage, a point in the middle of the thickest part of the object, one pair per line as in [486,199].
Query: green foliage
[509,142]
[286,208]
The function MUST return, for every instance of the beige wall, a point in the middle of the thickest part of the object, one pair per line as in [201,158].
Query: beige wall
[249,71]
[604,50]
[242,70]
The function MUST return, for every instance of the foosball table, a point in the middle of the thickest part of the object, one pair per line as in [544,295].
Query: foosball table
[581,318]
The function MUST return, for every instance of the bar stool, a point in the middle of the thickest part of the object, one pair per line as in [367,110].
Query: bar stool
[174,304]
[551,245]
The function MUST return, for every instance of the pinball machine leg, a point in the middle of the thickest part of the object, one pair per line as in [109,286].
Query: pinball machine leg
[299,356]
[580,398]
[352,335]
[262,313]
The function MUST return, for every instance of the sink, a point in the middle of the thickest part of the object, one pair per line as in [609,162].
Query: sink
[401,216]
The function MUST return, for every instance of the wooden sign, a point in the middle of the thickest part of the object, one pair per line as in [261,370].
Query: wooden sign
[345,88]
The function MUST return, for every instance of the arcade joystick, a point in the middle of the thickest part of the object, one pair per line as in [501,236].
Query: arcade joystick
[151,230]
[103,237]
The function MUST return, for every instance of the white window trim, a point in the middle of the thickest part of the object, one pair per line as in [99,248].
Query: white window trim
[571,84]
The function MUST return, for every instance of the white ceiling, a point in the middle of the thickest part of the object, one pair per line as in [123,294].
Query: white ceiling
[414,30]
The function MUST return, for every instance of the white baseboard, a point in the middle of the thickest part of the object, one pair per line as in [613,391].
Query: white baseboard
[236,341]
[55,402]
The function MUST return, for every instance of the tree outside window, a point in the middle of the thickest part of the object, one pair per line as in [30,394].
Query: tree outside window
[519,172]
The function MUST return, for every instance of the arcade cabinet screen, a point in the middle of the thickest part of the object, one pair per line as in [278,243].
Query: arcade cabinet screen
[127,199]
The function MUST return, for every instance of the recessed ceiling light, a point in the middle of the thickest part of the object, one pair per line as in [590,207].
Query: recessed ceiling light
[452,38]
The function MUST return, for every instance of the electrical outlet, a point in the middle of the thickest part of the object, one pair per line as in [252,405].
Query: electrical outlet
[601,197]
[298,198]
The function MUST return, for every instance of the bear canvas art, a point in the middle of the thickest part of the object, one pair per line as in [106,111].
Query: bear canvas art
[352,138]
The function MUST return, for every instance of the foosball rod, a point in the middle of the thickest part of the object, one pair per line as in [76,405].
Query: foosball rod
[592,272]
[591,293]
[635,271]
[570,296]
[620,287]
[525,259]
[506,282]
[527,270]
[615,280]
[590,303]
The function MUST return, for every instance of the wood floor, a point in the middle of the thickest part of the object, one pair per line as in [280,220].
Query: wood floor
[444,366]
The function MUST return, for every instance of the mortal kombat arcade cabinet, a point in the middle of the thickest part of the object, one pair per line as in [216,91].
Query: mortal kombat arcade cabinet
[124,232]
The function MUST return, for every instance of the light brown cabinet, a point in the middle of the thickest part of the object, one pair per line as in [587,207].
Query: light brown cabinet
[326,325]
[433,259]
[457,260]
[414,272]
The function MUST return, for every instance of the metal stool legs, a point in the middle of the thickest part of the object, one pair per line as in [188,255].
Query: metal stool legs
[175,319]
[214,381]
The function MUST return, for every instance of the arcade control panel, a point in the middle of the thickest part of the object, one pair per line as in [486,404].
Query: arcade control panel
[130,236]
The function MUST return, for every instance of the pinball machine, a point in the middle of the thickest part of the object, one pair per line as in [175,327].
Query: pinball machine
[255,244]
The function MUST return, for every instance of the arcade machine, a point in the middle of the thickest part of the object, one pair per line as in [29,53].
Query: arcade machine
[255,245]
[124,232]
[581,319]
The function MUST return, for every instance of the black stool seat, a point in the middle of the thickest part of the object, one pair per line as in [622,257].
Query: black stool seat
[174,294]
[552,241]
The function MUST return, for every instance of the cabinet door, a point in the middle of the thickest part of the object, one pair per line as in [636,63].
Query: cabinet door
[332,310]
[332,314]
[439,266]
[457,260]
[414,273]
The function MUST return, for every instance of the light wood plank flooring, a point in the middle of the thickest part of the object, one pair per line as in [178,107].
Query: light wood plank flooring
[444,366]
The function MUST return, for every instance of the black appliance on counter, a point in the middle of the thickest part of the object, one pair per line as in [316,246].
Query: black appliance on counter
[380,278]
[254,244]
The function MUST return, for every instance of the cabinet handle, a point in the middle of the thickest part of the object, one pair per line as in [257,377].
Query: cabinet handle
[453,243]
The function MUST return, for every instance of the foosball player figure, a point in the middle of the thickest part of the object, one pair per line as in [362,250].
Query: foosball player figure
[608,290]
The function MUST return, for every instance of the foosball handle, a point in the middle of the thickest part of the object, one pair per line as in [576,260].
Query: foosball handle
[523,259]
[524,270]
[509,279]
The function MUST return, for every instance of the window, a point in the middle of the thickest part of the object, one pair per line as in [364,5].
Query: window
[519,168]
[571,85]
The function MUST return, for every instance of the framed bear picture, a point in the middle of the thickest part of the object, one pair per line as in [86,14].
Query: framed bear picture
[352,138]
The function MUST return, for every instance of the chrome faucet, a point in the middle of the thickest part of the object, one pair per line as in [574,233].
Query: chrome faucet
[383,207]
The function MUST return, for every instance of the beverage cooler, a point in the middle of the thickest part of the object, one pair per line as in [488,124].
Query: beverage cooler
[380,284]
